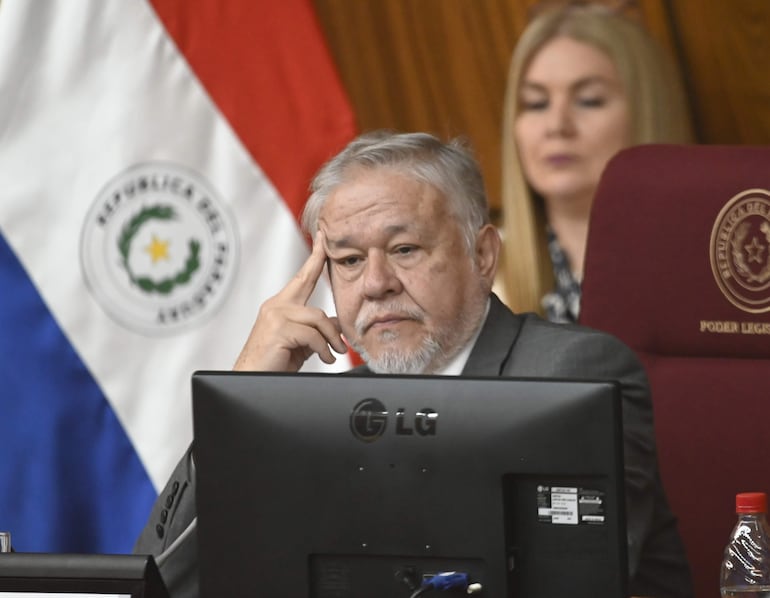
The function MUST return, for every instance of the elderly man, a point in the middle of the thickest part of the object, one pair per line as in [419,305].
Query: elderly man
[401,223]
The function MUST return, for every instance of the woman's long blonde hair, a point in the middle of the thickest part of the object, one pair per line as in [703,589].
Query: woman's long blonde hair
[658,113]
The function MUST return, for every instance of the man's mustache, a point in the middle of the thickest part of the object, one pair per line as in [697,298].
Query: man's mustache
[373,312]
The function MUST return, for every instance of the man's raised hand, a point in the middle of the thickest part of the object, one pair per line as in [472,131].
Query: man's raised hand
[288,331]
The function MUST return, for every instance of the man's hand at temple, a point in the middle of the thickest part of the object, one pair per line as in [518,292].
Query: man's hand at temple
[288,331]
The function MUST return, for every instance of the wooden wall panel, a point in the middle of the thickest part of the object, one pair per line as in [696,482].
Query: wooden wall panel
[440,65]
[428,65]
[726,49]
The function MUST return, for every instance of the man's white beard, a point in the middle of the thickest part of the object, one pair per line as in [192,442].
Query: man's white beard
[435,351]
[395,361]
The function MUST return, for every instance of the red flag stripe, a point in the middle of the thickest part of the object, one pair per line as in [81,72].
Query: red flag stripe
[267,67]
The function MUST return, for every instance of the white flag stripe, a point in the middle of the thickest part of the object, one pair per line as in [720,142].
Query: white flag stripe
[120,97]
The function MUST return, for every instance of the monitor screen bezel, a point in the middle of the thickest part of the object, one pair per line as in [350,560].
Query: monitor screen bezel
[284,420]
[134,575]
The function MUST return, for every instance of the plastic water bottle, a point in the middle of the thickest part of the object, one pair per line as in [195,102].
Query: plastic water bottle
[746,564]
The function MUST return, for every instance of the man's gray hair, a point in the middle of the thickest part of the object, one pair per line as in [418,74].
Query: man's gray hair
[449,167]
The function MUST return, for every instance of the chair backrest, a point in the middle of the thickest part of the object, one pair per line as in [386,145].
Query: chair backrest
[678,267]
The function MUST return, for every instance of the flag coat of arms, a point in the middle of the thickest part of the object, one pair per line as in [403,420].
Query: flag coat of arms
[154,158]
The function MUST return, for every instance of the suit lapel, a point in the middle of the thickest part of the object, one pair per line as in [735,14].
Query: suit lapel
[493,347]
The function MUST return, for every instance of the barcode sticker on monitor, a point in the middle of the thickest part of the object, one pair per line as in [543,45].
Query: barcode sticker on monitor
[564,505]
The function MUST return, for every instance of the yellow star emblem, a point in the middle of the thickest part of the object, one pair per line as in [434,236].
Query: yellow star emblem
[157,249]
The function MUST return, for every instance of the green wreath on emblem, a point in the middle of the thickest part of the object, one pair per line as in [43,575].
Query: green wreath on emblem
[130,230]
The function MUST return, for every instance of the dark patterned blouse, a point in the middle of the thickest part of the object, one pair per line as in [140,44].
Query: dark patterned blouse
[562,304]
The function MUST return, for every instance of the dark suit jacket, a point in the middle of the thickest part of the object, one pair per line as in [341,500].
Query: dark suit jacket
[513,346]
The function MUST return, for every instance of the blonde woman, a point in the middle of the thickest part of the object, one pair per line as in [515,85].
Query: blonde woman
[584,82]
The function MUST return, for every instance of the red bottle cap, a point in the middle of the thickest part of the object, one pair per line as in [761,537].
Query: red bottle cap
[751,502]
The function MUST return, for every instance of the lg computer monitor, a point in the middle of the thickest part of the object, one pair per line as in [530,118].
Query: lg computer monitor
[57,575]
[342,486]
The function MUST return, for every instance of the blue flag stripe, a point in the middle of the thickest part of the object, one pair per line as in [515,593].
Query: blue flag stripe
[65,457]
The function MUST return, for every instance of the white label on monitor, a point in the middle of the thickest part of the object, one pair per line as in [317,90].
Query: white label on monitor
[564,506]
[560,505]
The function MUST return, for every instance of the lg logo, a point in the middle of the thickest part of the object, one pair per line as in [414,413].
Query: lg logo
[369,420]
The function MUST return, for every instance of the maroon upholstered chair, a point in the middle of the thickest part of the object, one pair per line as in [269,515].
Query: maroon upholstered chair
[678,267]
